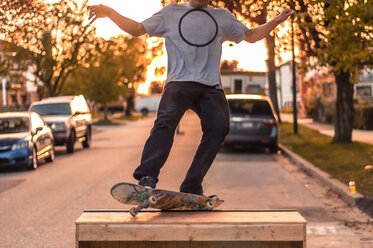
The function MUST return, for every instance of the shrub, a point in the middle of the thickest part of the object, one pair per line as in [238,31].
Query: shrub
[363,117]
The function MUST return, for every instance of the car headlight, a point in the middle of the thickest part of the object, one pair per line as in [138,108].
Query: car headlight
[18,146]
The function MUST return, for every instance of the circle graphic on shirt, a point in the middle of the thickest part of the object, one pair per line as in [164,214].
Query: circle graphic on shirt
[198,28]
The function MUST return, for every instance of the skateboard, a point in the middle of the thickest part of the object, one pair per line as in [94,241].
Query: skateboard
[132,194]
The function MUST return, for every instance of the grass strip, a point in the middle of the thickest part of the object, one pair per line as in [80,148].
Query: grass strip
[105,123]
[130,118]
[344,161]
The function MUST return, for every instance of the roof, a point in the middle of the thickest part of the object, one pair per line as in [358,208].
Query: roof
[58,99]
[247,96]
[14,114]
[248,73]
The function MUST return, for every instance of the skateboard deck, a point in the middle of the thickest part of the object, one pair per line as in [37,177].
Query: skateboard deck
[132,194]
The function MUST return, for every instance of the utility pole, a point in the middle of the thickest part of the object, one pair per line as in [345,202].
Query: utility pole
[4,91]
[295,118]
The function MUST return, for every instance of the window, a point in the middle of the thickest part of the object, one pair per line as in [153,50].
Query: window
[36,122]
[364,91]
[79,105]
[250,107]
[52,109]
[14,125]
[253,89]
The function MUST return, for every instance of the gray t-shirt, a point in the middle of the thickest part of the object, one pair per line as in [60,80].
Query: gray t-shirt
[194,40]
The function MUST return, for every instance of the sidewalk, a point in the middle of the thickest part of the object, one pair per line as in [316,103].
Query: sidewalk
[358,200]
[364,136]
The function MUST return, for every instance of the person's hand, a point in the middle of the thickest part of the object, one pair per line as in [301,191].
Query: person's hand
[98,11]
[285,15]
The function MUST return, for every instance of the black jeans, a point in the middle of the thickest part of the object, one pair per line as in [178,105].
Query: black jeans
[211,106]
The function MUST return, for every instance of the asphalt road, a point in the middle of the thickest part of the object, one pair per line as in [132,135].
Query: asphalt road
[38,208]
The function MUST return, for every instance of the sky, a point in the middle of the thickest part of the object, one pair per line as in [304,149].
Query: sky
[251,57]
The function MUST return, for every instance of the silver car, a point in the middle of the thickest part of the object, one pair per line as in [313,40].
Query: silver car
[69,117]
[252,121]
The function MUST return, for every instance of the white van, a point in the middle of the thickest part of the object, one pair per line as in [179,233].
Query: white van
[146,104]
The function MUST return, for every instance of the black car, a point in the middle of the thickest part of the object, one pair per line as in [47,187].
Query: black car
[252,121]
[24,140]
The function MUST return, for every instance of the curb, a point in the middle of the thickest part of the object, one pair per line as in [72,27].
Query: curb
[354,200]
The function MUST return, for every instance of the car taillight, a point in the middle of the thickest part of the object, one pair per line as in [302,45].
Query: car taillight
[270,122]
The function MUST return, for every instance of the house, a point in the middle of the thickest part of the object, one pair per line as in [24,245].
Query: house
[284,83]
[364,87]
[243,82]
[17,82]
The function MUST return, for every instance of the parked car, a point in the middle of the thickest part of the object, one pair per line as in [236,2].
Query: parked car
[146,104]
[252,121]
[69,117]
[24,140]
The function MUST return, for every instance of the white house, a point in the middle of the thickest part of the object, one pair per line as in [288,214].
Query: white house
[284,83]
[243,82]
[364,88]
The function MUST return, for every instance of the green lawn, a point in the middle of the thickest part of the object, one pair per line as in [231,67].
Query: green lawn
[345,162]
[133,117]
[102,122]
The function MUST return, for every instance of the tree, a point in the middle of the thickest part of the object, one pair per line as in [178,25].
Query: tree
[112,72]
[9,9]
[156,87]
[56,39]
[226,65]
[12,67]
[338,34]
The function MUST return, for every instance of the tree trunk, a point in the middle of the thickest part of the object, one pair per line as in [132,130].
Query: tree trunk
[130,102]
[270,43]
[106,112]
[344,108]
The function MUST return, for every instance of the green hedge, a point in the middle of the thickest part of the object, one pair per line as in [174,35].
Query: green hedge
[363,117]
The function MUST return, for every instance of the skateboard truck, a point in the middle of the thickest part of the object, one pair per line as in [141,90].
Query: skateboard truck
[145,200]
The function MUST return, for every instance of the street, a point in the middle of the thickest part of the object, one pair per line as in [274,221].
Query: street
[38,208]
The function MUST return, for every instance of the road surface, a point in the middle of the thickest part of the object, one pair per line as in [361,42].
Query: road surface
[38,208]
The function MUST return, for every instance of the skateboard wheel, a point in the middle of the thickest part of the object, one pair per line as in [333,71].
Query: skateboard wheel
[209,205]
[214,197]
[133,212]
[152,200]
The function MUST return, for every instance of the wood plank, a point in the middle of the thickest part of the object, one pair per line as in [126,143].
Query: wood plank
[190,217]
[191,229]
[191,244]
[195,232]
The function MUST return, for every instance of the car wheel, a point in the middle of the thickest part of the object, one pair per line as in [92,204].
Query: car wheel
[51,156]
[70,143]
[144,111]
[273,149]
[87,138]
[33,163]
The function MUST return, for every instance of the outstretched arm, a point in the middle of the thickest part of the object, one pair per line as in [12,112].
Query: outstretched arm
[129,26]
[255,34]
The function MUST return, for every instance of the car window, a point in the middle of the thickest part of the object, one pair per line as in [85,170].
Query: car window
[79,105]
[14,125]
[249,107]
[52,109]
[36,121]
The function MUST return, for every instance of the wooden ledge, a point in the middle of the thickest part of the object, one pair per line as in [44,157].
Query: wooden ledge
[191,226]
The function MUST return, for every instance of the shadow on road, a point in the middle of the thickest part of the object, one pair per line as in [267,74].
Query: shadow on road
[60,152]
[243,149]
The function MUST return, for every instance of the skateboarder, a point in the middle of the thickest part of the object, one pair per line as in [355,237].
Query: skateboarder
[194,33]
